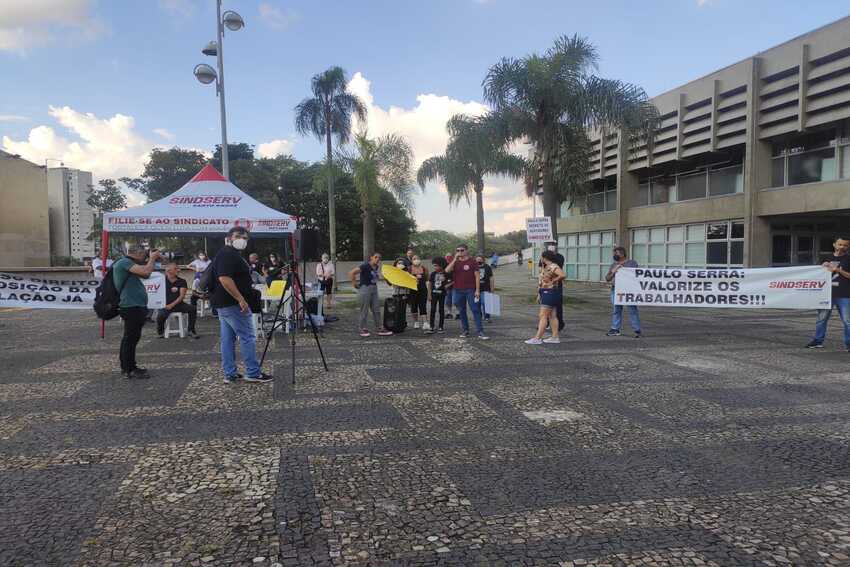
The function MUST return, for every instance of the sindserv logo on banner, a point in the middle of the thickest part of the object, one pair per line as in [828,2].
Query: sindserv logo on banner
[205,201]
[804,285]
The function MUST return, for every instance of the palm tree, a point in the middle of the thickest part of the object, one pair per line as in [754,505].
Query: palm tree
[475,149]
[551,100]
[377,165]
[328,113]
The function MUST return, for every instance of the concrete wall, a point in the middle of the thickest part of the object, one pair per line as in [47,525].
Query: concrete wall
[24,225]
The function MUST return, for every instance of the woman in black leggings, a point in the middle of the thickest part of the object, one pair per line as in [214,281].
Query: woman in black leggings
[419,298]
[438,284]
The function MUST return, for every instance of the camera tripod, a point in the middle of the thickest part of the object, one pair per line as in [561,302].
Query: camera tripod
[293,283]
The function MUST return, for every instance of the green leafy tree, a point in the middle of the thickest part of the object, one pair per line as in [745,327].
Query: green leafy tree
[378,165]
[235,152]
[166,171]
[433,243]
[475,150]
[519,238]
[326,114]
[103,199]
[551,100]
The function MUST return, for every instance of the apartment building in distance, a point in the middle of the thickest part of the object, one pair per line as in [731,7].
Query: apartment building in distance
[24,227]
[71,218]
[750,167]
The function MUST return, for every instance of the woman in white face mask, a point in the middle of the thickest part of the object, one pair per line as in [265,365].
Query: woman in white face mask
[325,273]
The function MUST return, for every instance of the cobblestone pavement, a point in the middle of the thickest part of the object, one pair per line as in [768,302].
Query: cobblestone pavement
[715,440]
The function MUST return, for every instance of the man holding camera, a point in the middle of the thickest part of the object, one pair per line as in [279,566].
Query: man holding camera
[127,275]
[230,297]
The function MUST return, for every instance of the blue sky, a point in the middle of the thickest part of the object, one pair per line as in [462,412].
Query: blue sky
[99,82]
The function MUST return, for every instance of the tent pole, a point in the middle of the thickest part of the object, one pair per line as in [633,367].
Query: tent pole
[205,247]
[104,249]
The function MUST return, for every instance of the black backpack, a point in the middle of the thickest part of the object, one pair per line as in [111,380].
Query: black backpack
[107,297]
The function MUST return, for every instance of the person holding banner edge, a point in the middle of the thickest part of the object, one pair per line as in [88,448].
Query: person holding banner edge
[621,261]
[839,265]
[127,275]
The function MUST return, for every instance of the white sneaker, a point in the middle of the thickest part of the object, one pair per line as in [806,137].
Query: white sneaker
[426,326]
[552,341]
[534,341]
[416,325]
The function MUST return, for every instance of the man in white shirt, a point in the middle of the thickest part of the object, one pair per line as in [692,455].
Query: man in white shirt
[96,267]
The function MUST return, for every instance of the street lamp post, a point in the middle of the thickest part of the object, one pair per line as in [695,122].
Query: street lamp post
[206,74]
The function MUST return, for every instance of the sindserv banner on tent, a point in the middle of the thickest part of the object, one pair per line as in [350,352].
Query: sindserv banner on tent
[798,287]
[48,293]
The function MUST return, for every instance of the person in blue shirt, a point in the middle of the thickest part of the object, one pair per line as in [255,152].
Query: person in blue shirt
[364,278]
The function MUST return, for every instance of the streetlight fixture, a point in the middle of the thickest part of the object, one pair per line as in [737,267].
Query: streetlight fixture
[206,74]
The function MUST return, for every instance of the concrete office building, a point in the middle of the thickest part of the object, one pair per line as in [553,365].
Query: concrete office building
[750,167]
[24,228]
[71,218]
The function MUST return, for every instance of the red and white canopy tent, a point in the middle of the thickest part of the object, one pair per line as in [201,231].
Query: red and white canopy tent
[208,204]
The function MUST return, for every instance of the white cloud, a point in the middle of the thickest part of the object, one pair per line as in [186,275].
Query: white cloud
[108,147]
[164,134]
[27,24]
[701,3]
[181,8]
[424,127]
[276,17]
[13,118]
[274,148]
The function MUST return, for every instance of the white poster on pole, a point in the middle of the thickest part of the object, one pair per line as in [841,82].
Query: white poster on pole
[797,287]
[539,229]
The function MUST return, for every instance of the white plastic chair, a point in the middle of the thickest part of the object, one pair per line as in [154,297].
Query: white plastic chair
[182,324]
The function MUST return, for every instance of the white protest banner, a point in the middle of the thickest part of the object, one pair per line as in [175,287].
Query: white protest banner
[54,293]
[798,287]
[538,229]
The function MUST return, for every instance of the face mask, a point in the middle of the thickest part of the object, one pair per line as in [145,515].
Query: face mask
[616,257]
[325,259]
[551,248]
[417,262]
[240,243]
[202,258]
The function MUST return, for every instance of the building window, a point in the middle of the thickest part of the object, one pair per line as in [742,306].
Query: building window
[586,255]
[692,186]
[601,201]
[656,191]
[693,245]
[726,180]
[810,159]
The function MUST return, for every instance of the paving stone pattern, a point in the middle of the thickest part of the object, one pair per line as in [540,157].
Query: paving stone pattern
[715,440]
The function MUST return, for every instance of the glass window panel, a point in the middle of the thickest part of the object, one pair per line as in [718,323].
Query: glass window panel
[564,209]
[572,240]
[582,255]
[640,235]
[695,254]
[661,190]
[777,174]
[726,181]
[696,232]
[572,255]
[737,230]
[845,162]
[656,254]
[595,274]
[583,239]
[717,253]
[595,238]
[594,254]
[691,187]
[656,234]
[572,271]
[582,272]
[607,238]
[675,234]
[596,202]
[810,167]
[611,200]
[805,250]
[675,254]
[718,231]
[781,249]
[643,194]
[562,242]
[736,253]
[639,254]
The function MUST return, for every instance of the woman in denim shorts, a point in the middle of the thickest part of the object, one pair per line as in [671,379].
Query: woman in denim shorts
[550,296]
